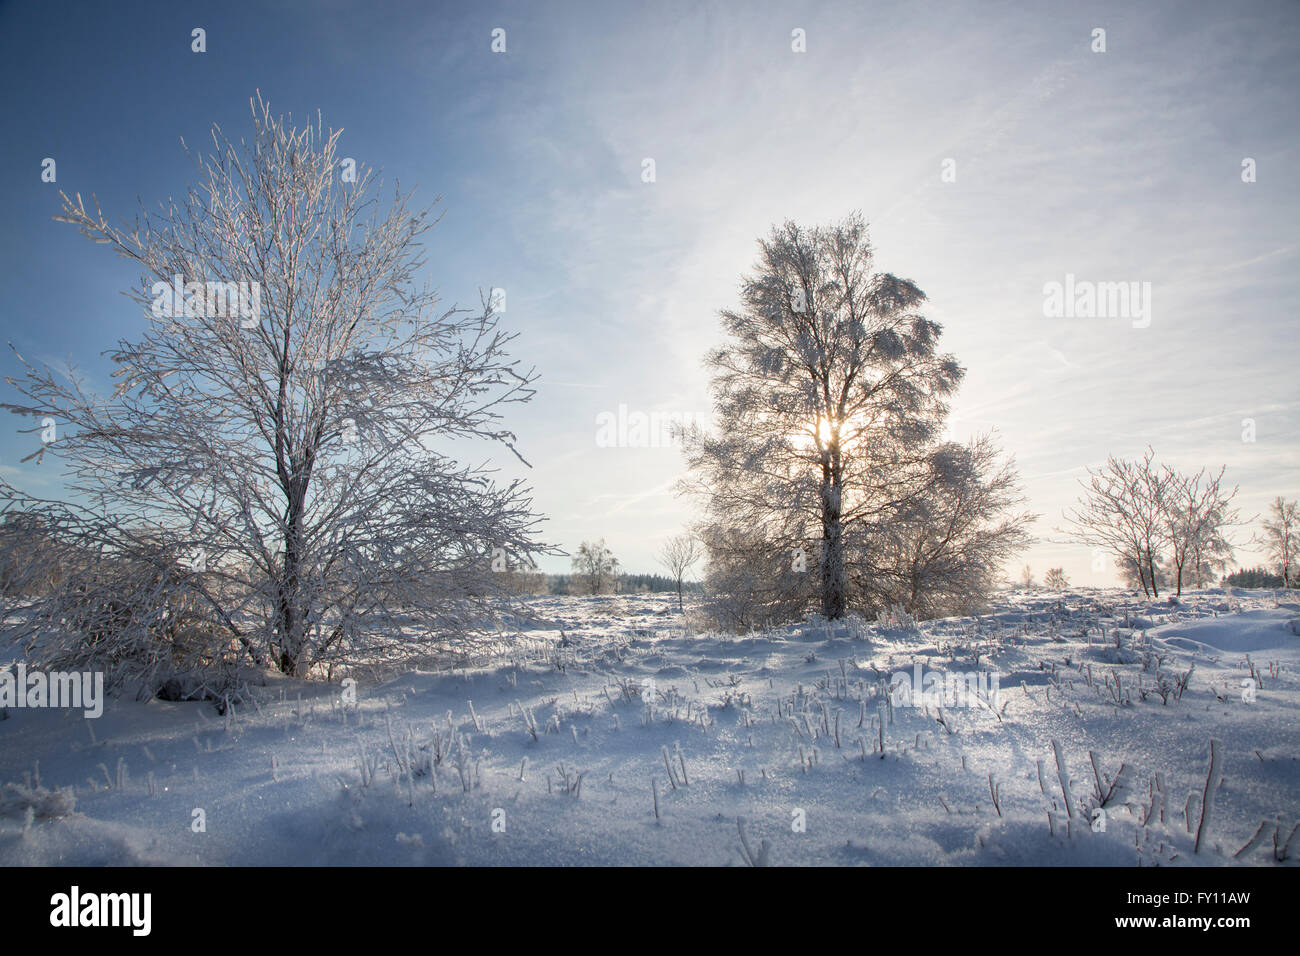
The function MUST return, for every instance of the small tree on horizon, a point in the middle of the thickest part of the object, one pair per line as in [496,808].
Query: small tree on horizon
[1164,528]
[1055,579]
[678,554]
[596,567]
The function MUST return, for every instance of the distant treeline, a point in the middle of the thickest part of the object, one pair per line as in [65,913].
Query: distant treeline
[1254,578]
[627,584]
[535,582]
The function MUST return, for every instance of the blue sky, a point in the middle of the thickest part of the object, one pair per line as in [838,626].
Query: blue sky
[1115,166]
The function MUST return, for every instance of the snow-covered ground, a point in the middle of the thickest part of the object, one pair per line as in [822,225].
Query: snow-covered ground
[550,748]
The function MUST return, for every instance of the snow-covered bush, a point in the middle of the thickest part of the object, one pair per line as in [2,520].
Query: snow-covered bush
[750,582]
[129,608]
[24,799]
[895,618]
[857,627]
[139,622]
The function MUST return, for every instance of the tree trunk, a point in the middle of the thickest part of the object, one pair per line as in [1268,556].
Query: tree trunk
[1142,573]
[287,623]
[833,588]
[290,622]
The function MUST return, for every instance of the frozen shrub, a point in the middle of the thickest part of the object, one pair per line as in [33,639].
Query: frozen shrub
[16,800]
[896,618]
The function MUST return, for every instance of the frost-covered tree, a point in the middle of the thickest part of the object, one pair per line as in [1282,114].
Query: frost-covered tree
[1055,579]
[1026,577]
[1164,528]
[23,537]
[1198,515]
[830,395]
[1281,538]
[273,450]
[595,567]
[678,555]
[939,547]
[749,580]
[1122,511]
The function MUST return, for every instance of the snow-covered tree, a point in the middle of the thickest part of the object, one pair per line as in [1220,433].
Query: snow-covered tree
[1198,514]
[679,553]
[1123,511]
[1281,538]
[830,396]
[939,548]
[749,581]
[595,567]
[272,451]
[1055,579]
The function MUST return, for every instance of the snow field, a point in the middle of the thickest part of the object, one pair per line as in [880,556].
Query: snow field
[607,732]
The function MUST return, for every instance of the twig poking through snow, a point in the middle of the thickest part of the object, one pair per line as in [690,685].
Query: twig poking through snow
[1063,777]
[1212,781]
[759,859]
[1257,839]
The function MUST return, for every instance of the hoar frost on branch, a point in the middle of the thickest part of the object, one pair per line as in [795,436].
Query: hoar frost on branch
[284,475]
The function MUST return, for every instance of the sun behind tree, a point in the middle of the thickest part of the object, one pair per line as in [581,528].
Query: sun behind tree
[825,476]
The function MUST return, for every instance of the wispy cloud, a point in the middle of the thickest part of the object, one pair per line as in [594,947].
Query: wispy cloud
[1115,166]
